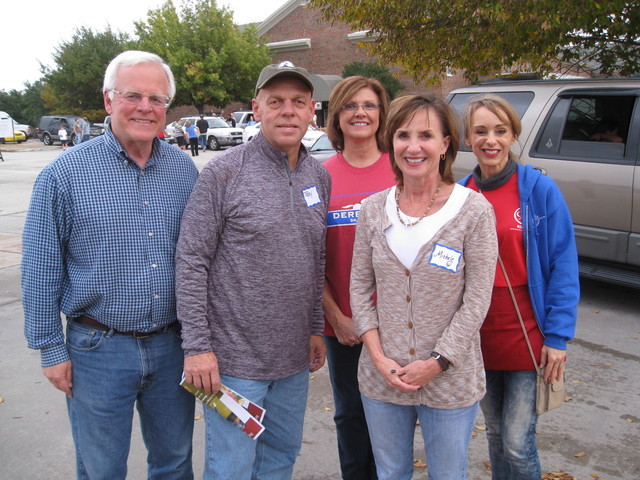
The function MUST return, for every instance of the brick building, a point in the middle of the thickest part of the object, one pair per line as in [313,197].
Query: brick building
[299,33]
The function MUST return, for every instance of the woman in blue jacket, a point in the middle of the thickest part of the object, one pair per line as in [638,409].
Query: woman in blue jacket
[537,246]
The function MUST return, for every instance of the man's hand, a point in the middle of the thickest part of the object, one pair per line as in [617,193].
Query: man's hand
[318,353]
[60,376]
[201,370]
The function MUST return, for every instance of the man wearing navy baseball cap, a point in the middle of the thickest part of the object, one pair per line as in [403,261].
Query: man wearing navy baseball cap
[253,321]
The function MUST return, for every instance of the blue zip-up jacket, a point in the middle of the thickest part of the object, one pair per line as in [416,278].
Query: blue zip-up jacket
[552,258]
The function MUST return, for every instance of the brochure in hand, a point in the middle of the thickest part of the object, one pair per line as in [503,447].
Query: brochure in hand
[243,413]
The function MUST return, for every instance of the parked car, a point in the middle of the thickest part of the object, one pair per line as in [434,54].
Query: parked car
[219,134]
[309,138]
[600,180]
[49,125]
[17,137]
[242,117]
[18,127]
[322,149]
[24,128]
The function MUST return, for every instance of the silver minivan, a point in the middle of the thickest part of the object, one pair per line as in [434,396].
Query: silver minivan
[585,135]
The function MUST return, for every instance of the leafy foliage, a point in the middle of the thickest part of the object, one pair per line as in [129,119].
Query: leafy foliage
[26,106]
[213,61]
[75,85]
[427,38]
[374,70]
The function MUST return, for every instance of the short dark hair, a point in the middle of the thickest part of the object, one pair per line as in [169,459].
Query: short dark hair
[403,109]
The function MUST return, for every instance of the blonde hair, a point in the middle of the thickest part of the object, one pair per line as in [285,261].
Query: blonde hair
[500,108]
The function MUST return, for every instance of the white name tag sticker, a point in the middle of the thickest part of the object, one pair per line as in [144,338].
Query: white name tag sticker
[445,257]
[311,196]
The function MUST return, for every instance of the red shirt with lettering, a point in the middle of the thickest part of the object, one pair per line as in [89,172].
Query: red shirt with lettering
[503,343]
[350,185]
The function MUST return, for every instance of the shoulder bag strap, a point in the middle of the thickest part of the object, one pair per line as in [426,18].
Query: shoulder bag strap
[515,303]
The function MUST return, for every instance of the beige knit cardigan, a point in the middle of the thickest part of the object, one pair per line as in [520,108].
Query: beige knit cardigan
[431,306]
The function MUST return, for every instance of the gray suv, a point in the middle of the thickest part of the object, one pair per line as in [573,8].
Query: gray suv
[585,134]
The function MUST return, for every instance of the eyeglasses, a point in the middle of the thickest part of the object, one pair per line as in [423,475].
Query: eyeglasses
[353,107]
[134,98]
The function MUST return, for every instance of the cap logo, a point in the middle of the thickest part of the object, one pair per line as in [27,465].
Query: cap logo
[286,65]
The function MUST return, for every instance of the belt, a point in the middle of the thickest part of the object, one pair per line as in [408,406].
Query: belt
[90,322]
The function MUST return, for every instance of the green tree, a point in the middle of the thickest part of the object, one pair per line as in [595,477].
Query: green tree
[374,70]
[213,61]
[74,86]
[428,38]
[24,106]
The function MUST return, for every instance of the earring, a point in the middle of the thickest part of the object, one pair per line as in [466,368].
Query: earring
[442,157]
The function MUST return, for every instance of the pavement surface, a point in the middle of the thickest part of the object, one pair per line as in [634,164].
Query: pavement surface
[595,435]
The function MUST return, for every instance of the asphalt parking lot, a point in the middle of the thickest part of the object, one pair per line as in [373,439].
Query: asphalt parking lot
[594,435]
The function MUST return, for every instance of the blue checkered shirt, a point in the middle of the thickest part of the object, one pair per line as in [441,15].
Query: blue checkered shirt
[99,240]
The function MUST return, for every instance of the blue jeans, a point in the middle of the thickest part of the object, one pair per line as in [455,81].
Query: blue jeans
[509,409]
[446,434]
[202,138]
[231,454]
[354,447]
[111,374]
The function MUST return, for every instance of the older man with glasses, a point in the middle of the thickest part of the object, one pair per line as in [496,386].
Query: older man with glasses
[98,246]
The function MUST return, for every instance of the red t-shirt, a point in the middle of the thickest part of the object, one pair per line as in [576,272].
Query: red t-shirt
[503,343]
[350,185]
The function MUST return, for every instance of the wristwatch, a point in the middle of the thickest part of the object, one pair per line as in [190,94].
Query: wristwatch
[444,363]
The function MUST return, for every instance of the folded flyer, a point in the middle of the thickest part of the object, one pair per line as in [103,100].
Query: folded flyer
[243,413]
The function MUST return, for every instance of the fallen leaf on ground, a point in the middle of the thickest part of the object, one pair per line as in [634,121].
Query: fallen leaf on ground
[595,475]
[198,417]
[419,464]
[328,409]
[487,466]
[577,382]
[559,475]
[568,398]
[596,311]
[1,399]
[580,455]
[482,428]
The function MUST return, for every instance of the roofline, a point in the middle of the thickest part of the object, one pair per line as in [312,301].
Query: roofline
[275,18]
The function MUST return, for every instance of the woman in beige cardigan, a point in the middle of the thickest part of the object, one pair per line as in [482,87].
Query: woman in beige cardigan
[428,248]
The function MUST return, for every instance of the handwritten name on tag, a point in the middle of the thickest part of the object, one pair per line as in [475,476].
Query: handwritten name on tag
[445,257]
[311,196]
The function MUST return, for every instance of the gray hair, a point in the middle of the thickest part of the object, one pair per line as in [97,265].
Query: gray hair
[132,58]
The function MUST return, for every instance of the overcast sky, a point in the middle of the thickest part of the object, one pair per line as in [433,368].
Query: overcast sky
[30,30]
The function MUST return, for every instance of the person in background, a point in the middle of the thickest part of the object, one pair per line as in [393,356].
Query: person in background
[231,120]
[98,246]
[427,248]
[203,126]
[537,246]
[251,120]
[179,134]
[64,136]
[357,113]
[192,134]
[77,132]
[254,322]
[86,129]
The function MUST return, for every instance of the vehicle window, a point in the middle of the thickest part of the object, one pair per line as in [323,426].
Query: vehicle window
[587,127]
[323,143]
[217,123]
[519,100]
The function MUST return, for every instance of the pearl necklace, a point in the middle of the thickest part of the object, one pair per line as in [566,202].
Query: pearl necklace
[411,224]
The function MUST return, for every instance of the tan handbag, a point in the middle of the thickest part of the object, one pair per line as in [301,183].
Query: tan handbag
[548,395]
